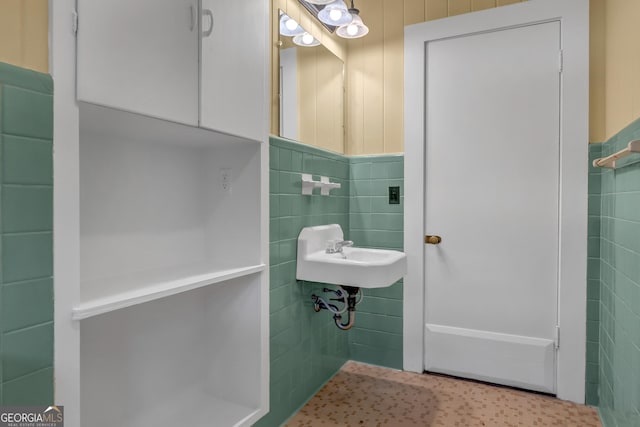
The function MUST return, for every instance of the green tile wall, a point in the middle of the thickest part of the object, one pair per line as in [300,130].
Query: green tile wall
[26,237]
[619,335]
[307,349]
[374,223]
[593,277]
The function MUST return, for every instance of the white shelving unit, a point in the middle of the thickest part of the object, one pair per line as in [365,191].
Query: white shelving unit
[189,360]
[161,283]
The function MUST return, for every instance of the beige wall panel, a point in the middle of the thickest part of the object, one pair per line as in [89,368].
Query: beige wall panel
[355,98]
[458,7]
[507,2]
[374,77]
[335,109]
[597,71]
[482,4]
[374,109]
[35,22]
[24,33]
[293,10]
[329,99]
[11,31]
[413,11]
[635,59]
[393,89]
[307,81]
[436,9]
[276,5]
[325,128]
[619,43]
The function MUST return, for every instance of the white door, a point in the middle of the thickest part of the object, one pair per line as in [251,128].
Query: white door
[234,67]
[140,56]
[492,194]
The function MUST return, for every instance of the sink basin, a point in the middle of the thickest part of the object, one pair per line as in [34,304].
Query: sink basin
[360,267]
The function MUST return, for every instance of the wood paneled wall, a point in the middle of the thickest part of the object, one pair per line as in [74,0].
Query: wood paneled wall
[24,33]
[621,83]
[375,69]
[320,99]
[614,67]
[597,58]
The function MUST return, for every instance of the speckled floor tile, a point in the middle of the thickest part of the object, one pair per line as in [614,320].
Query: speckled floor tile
[364,395]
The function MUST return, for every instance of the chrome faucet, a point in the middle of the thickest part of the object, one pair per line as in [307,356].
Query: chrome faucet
[336,246]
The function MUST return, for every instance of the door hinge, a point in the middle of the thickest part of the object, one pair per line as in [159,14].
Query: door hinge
[561,61]
[74,22]
[557,338]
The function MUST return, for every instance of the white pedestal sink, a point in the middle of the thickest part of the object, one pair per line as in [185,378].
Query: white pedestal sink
[358,267]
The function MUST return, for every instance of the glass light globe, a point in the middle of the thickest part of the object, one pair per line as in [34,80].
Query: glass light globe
[355,29]
[307,38]
[291,24]
[335,14]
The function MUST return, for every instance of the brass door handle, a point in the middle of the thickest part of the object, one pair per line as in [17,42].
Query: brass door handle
[432,240]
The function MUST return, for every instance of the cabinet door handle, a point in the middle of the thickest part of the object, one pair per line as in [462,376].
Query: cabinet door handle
[209,13]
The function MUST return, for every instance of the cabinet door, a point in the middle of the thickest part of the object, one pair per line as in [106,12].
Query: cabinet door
[233,75]
[140,56]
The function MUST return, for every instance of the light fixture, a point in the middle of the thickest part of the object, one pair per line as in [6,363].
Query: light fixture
[289,27]
[306,40]
[335,13]
[320,1]
[355,28]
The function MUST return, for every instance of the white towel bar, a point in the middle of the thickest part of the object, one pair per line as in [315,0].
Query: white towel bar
[610,161]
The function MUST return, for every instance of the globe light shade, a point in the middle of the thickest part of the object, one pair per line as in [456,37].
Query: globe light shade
[289,27]
[335,14]
[320,1]
[355,29]
[306,40]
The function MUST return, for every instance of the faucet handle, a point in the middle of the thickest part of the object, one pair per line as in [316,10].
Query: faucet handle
[345,243]
[332,246]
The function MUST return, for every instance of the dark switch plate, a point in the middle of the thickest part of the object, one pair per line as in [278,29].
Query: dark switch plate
[394,195]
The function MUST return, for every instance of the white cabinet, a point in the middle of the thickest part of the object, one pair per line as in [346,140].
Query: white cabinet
[140,56]
[161,277]
[233,58]
[197,62]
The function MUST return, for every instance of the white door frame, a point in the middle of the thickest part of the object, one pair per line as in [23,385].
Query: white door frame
[574,124]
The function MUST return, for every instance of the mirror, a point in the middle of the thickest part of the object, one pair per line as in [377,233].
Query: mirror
[311,94]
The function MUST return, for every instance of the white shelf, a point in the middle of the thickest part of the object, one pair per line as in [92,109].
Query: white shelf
[196,408]
[121,124]
[194,359]
[161,290]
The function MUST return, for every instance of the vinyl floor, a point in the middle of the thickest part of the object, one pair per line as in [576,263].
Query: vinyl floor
[371,396]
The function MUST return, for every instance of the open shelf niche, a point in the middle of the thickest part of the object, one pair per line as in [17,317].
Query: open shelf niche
[153,213]
[187,360]
[172,282]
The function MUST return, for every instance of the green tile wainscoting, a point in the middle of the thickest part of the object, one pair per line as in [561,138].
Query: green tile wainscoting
[307,349]
[593,278]
[26,248]
[619,282]
[376,337]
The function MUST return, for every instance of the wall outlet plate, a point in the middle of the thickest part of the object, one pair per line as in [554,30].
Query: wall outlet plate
[225,180]
[394,195]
